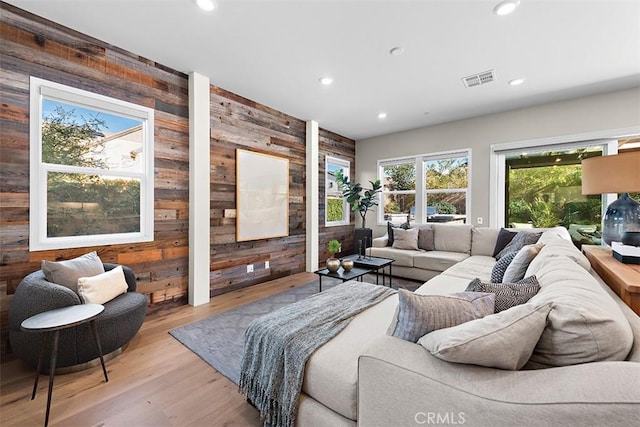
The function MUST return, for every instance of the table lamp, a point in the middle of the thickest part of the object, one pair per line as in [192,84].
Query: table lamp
[618,173]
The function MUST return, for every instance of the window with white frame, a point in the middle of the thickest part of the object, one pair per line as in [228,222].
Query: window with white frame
[439,193]
[446,187]
[91,169]
[398,178]
[336,206]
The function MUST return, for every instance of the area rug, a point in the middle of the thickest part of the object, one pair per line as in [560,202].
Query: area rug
[219,339]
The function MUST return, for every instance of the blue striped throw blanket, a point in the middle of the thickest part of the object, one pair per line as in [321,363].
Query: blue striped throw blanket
[278,345]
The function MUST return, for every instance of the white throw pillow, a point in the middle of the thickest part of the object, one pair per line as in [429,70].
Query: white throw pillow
[518,267]
[103,287]
[505,340]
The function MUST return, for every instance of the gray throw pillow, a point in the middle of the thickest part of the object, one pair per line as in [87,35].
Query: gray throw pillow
[500,267]
[518,267]
[507,294]
[67,273]
[503,341]
[520,240]
[420,314]
[426,239]
[406,239]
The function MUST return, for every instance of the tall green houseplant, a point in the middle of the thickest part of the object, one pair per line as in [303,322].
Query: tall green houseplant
[353,192]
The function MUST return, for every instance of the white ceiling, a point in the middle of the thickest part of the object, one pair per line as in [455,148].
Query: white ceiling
[274,52]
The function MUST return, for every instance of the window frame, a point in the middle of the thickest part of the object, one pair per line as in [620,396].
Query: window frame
[345,206]
[500,152]
[395,162]
[420,215]
[41,89]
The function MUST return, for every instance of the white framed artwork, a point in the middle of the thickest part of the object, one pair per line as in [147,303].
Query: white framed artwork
[262,196]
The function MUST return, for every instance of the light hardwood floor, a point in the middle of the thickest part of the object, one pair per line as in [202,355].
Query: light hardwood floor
[156,382]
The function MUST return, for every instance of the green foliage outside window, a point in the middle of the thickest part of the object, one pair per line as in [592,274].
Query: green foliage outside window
[335,210]
[80,204]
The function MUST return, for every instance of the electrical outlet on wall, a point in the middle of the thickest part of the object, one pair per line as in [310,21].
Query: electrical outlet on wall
[250,268]
[266,265]
[480,220]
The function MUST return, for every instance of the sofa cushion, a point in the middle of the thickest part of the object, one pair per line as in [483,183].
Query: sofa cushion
[483,240]
[426,238]
[331,373]
[504,341]
[420,314]
[405,239]
[518,267]
[507,294]
[521,239]
[453,238]
[476,266]
[67,273]
[437,260]
[501,266]
[558,248]
[402,257]
[585,324]
[102,287]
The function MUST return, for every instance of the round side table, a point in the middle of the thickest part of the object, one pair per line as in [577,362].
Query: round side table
[54,321]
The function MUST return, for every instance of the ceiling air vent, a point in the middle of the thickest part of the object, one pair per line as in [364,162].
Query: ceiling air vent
[479,79]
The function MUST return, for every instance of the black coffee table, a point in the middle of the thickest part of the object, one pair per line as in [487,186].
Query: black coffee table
[372,263]
[354,273]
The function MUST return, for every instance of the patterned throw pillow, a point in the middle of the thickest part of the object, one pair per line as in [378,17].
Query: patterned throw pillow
[507,294]
[500,267]
[420,314]
[391,227]
[519,241]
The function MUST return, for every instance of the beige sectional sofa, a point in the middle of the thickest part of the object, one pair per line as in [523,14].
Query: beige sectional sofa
[365,377]
[452,243]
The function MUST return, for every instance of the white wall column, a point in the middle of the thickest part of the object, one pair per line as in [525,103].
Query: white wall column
[199,189]
[313,182]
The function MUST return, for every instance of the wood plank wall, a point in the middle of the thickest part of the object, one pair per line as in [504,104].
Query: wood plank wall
[32,46]
[337,146]
[238,123]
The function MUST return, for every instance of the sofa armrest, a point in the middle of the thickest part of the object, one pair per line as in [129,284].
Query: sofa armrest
[380,242]
[36,295]
[401,383]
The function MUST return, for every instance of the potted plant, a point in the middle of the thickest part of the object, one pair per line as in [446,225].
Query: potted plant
[361,200]
[333,263]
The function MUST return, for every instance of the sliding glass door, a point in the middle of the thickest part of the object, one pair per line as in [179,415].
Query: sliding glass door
[543,189]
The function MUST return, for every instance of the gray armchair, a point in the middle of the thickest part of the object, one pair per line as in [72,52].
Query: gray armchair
[117,324]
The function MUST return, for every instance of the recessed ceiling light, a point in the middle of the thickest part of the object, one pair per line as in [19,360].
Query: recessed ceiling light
[325,80]
[396,51]
[207,5]
[382,116]
[516,82]
[506,7]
